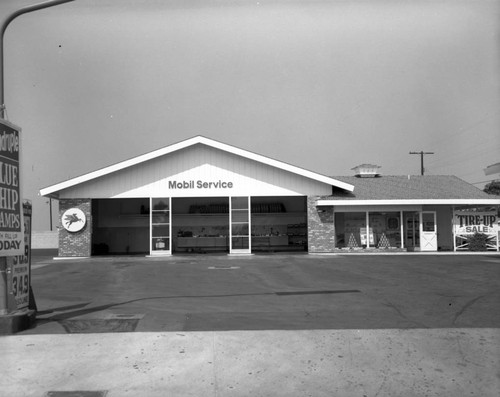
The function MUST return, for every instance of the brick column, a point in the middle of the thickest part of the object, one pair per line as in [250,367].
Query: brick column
[320,227]
[78,243]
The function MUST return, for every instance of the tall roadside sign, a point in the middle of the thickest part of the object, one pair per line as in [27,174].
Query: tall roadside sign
[11,222]
[12,237]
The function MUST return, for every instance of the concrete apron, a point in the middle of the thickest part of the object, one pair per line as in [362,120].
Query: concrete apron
[414,362]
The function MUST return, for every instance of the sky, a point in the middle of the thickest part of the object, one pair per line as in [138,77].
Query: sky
[323,85]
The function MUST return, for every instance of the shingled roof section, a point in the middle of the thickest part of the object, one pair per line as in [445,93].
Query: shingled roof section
[404,187]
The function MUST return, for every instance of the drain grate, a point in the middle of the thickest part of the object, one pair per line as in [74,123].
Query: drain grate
[111,323]
[80,393]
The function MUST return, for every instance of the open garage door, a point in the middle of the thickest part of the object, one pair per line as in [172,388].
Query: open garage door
[120,226]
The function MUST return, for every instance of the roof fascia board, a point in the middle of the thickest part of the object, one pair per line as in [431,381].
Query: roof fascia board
[409,202]
[182,145]
[116,167]
[279,164]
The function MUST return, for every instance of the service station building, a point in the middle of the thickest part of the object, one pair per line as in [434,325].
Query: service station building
[202,196]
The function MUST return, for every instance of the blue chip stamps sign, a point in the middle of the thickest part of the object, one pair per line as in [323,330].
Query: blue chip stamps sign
[11,233]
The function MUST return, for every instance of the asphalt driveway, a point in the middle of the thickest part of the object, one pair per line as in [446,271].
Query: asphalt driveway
[266,292]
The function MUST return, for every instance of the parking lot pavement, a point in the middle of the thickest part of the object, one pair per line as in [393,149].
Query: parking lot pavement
[280,325]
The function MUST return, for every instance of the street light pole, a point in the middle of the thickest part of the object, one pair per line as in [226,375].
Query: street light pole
[4,308]
[3,27]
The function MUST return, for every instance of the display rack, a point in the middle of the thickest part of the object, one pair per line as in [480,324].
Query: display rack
[297,234]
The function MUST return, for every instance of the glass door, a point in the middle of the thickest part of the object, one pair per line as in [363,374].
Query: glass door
[428,231]
[240,225]
[160,226]
[411,230]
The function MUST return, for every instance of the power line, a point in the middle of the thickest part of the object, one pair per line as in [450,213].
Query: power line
[448,158]
[422,160]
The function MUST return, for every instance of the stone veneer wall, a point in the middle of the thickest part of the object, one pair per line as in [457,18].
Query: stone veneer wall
[79,243]
[320,227]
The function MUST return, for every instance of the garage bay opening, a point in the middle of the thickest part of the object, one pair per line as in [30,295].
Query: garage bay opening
[120,226]
[279,224]
[190,225]
[200,224]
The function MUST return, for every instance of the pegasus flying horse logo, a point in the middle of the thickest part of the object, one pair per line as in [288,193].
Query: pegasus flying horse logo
[72,218]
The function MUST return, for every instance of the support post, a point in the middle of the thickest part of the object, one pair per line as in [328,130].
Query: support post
[11,323]
[367,221]
[453,228]
[4,304]
[402,229]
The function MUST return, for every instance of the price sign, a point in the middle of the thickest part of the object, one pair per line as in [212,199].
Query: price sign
[20,266]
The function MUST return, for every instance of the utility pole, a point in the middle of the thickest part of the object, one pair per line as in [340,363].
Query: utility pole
[50,212]
[422,160]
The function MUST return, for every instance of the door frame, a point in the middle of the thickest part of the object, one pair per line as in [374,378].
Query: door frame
[428,238]
[231,223]
[168,247]
[410,230]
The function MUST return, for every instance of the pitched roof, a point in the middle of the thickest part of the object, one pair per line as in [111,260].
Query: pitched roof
[427,189]
[52,190]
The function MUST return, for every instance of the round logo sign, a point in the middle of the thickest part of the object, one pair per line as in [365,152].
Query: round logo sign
[73,220]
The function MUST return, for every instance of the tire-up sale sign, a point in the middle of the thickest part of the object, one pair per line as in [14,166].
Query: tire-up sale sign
[11,221]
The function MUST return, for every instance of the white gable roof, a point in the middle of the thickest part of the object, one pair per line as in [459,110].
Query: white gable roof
[54,189]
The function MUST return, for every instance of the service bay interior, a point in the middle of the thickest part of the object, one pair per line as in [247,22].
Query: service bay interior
[198,225]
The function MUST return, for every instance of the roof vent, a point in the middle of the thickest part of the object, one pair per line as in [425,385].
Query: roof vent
[366,171]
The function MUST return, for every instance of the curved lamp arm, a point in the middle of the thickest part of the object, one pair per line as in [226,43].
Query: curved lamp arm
[3,27]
